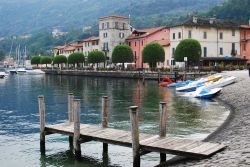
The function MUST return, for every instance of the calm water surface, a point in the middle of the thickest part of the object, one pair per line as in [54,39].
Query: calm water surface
[19,119]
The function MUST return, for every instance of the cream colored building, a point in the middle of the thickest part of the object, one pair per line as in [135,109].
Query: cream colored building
[113,30]
[218,38]
[90,44]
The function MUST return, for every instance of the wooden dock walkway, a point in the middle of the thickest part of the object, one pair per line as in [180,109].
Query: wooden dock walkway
[141,143]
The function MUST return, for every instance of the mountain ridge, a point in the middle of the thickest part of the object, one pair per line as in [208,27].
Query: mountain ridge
[32,16]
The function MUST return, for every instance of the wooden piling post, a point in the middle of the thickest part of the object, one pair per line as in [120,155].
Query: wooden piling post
[159,76]
[76,143]
[105,119]
[143,77]
[163,123]
[70,115]
[134,119]
[41,104]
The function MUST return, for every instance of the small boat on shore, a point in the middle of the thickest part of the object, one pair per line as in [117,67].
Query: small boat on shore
[179,83]
[207,93]
[220,83]
[190,87]
[199,83]
[165,82]
[203,93]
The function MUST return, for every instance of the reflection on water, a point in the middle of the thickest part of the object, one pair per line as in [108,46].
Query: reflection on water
[19,119]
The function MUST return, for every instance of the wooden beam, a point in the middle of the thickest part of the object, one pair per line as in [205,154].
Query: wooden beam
[76,140]
[41,104]
[105,119]
[135,135]
[70,116]
[163,123]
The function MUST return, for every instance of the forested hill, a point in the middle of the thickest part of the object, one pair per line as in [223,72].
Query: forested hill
[30,16]
[232,9]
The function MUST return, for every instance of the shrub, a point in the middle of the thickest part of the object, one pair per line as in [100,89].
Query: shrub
[96,57]
[76,58]
[189,48]
[122,54]
[35,60]
[153,53]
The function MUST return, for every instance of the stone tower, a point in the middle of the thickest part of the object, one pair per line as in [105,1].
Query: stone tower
[113,30]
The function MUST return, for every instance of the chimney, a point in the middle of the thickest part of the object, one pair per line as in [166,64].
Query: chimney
[195,19]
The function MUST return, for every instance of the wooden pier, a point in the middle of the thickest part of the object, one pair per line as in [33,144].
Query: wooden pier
[141,143]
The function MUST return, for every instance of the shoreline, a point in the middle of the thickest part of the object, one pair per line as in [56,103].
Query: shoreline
[233,132]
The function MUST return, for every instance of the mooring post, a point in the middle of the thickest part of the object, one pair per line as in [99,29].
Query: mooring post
[70,115]
[41,104]
[134,119]
[105,119]
[143,77]
[163,123]
[159,76]
[76,142]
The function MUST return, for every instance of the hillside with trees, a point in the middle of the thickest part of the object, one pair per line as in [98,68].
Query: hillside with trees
[232,9]
[32,16]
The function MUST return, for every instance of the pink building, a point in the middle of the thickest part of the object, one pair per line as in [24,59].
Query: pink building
[140,38]
[245,42]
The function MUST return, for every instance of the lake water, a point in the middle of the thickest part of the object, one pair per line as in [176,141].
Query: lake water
[19,119]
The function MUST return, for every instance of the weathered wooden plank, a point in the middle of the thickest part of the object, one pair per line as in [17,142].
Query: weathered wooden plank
[76,138]
[214,149]
[41,104]
[184,147]
[202,147]
[134,122]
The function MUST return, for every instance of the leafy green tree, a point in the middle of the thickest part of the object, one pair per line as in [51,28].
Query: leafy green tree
[45,60]
[153,53]
[60,59]
[36,60]
[122,54]
[76,58]
[2,55]
[96,57]
[189,48]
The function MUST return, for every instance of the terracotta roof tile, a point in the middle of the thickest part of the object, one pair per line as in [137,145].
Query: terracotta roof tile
[93,38]
[70,48]
[144,32]
[245,26]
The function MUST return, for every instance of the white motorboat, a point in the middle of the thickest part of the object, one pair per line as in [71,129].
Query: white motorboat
[212,85]
[3,75]
[35,72]
[13,71]
[21,71]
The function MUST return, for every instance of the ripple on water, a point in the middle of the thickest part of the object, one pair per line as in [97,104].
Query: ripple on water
[19,118]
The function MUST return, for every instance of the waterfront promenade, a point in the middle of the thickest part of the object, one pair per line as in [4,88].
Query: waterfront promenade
[235,132]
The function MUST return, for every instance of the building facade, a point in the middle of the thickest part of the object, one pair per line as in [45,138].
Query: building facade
[245,42]
[90,44]
[218,38]
[113,30]
[140,38]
